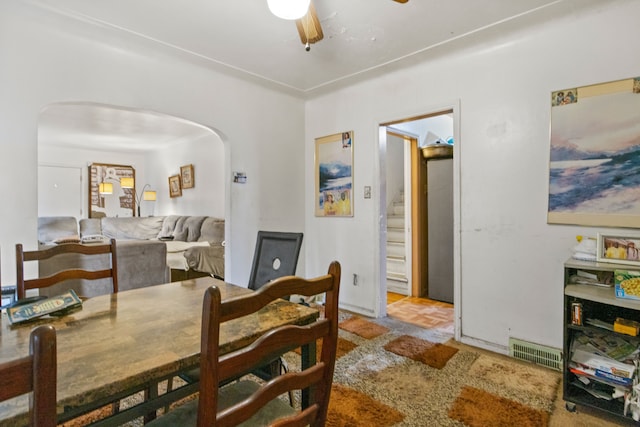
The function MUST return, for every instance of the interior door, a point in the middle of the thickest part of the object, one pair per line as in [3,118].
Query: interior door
[59,191]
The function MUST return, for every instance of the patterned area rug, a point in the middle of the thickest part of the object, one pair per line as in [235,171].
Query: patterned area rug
[432,354]
[431,381]
[361,327]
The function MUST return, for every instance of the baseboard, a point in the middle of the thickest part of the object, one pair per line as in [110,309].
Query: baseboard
[485,345]
[357,309]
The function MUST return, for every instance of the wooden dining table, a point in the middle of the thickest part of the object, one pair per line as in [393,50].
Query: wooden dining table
[119,344]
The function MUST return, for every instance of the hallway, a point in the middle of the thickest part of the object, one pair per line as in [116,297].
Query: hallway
[422,312]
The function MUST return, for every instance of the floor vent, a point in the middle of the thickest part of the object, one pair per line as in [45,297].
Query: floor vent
[539,354]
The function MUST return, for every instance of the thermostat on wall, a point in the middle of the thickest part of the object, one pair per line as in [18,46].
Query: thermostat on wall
[239,177]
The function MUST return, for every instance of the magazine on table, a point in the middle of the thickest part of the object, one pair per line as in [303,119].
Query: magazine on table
[24,312]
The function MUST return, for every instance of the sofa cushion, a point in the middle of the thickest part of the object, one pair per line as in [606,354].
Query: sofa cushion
[188,228]
[137,228]
[168,226]
[212,230]
[51,228]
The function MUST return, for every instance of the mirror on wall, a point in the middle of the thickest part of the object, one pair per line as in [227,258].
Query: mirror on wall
[111,190]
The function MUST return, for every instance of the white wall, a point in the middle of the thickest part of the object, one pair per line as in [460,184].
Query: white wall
[47,58]
[206,155]
[510,279]
[81,158]
[207,197]
[395,174]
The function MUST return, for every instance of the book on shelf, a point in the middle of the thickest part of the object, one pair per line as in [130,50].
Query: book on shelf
[52,305]
[602,278]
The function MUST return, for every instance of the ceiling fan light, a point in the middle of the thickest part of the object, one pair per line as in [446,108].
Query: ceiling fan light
[289,9]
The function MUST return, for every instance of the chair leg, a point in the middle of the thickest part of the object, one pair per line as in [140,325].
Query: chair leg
[283,370]
[169,388]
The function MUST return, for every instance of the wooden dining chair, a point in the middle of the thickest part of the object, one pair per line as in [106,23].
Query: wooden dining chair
[93,250]
[275,255]
[248,401]
[36,373]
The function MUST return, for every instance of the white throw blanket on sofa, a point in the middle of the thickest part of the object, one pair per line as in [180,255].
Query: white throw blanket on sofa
[175,253]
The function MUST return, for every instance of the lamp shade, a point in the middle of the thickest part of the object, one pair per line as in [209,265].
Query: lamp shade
[149,195]
[127,182]
[289,9]
[105,188]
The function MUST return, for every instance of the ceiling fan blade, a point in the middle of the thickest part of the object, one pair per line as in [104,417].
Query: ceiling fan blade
[309,27]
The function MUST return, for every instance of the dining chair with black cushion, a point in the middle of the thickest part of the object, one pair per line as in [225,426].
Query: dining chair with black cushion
[87,256]
[248,402]
[35,373]
[276,255]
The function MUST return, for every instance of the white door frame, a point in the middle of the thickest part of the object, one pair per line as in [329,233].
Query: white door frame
[382,208]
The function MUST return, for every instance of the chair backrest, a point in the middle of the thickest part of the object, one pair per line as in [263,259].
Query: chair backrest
[318,378]
[37,373]
[23,256]
[276,255]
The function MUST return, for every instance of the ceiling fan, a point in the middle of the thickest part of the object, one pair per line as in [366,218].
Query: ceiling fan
[309,27]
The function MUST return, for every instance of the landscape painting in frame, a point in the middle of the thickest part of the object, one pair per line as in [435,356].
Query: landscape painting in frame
[594,169]
[334,175]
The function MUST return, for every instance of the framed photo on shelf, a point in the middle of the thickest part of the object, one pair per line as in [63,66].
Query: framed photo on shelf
[334,175]
[186,176]
[621,249]
[175,187]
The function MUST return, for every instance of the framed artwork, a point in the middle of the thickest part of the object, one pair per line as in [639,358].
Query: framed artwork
[107,198]
[621,249]
[186,176]
[334,175]
[175,187]
[594,168]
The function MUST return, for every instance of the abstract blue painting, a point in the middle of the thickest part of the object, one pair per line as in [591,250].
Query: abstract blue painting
[594,169]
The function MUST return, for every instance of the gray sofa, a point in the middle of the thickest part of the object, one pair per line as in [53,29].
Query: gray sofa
[191,244]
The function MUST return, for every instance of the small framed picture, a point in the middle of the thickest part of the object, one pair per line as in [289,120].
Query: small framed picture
[621,249]
[175,187]
[186,176]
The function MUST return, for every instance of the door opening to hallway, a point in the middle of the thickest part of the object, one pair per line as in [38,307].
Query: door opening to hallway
[418,252]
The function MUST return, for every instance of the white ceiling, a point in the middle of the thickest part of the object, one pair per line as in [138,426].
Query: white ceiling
[362,38]
[109,128]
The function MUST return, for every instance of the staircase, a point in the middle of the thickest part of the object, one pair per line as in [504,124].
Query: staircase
[396,257]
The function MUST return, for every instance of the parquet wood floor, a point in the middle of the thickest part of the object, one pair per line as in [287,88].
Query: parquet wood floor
[423,312]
